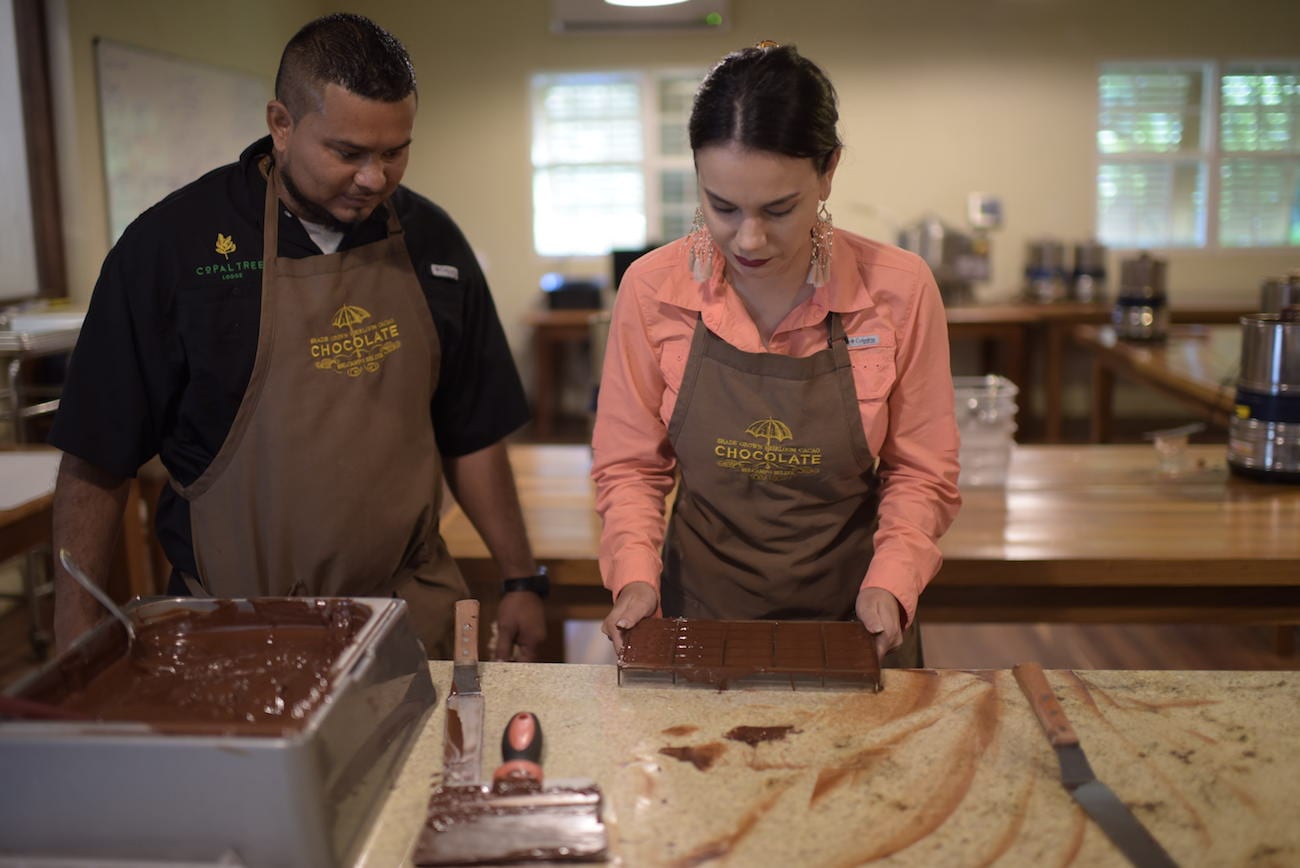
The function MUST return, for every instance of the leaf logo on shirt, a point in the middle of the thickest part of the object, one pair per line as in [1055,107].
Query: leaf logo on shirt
[225,245]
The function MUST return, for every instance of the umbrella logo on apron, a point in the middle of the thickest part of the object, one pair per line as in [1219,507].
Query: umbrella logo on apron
[772,459]
[359,346]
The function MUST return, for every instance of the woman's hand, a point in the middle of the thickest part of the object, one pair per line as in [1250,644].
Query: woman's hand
[882,615]
[637,601]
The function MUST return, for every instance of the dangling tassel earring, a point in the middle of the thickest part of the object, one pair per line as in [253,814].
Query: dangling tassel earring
[823,234]
[699,248]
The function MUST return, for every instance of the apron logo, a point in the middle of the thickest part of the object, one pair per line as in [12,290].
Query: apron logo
[358,347]
[768,460]
[225,245]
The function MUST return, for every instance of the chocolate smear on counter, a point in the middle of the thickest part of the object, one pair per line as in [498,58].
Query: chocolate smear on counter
[756,735]
[701,756]
[257,669]
[681,730]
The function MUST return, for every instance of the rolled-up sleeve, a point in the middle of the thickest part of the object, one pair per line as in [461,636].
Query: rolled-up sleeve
[919,455]
[632,462]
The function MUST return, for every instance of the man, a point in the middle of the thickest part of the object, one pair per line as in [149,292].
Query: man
[311,349]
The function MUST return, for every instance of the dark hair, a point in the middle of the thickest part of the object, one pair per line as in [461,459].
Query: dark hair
[768,98]
[344,49]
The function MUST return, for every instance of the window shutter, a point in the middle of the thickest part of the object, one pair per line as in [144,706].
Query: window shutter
[1150,177]
[1259,138]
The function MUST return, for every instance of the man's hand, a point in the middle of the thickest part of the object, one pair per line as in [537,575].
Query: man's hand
[637,601]
[521,625]
[882,615]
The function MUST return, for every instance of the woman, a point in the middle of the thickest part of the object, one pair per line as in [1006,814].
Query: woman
[796,377]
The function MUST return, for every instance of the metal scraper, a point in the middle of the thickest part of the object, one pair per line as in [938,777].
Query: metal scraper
[1097,799]
[517,818]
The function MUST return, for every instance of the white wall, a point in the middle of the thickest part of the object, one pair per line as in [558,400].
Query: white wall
[939,98]
[17,240]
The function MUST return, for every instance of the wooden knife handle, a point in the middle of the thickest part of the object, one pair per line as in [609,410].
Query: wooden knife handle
[466,651]
[1045,705]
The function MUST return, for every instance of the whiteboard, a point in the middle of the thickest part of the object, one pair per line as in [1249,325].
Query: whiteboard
[164,121]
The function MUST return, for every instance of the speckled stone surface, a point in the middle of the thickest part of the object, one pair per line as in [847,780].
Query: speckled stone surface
[943,768]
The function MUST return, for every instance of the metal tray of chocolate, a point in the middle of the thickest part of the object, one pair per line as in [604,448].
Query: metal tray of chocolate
[238,732]
[798,655]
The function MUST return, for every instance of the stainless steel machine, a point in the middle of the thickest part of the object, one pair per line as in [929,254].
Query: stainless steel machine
[1141,311]
[1264,435]
[958,259]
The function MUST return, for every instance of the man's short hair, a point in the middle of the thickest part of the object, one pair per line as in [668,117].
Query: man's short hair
[344,49]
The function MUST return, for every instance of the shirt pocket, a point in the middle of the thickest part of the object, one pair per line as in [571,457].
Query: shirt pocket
[673,354]
[874,371]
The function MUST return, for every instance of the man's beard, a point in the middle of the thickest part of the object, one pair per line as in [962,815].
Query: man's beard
[311,211]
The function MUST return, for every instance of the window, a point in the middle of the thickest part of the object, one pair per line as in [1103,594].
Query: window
[612,167]
[1199,155]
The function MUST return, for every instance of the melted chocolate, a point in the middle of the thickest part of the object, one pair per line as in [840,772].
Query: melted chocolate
[229,669]
[807,653]
[756,735]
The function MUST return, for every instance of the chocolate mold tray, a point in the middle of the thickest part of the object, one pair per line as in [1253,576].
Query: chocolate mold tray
[798,655]
[130,792]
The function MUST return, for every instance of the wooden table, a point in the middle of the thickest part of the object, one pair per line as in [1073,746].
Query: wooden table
[1079,534]
[1024,330]
[26,519]
[27,478]
[1197,365]
[942,768]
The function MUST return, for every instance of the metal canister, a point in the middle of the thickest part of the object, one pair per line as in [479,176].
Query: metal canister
[1276,293]
[1264,434]
[1141,311]
[1088,283]
[1045,275]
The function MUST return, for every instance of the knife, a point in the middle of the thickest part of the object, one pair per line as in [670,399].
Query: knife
[463,744]
[1097,799]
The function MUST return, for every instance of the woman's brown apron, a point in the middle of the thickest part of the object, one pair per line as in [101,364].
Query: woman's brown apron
[330,481]
[776,505]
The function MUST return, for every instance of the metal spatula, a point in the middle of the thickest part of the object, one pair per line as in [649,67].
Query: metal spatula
[65,557]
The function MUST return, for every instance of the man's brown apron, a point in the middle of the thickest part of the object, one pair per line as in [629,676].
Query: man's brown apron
[329,482]
[776,505]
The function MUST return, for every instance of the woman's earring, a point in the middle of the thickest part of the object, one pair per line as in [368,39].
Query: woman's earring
[823,235]
[699,248]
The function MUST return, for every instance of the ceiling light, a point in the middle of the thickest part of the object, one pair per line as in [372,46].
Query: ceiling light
[644,2]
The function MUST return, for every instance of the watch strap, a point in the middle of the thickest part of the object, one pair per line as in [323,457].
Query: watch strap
[539,584]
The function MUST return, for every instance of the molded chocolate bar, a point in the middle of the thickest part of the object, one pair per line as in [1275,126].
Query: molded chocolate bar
[798,654]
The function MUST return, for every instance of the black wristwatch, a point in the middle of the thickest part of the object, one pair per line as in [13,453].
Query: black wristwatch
[539,584]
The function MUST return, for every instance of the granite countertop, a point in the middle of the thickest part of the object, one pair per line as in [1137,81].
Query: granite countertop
[944,767]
